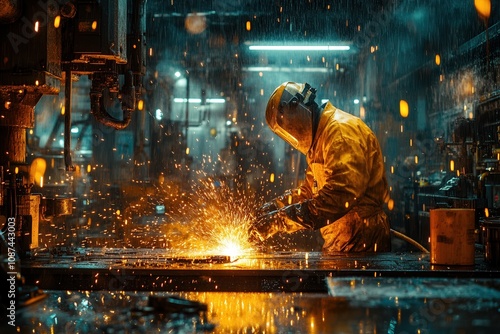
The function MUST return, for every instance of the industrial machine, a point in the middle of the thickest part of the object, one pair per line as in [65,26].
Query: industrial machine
[48,45]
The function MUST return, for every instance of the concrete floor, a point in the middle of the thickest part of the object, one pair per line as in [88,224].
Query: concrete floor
[110,290]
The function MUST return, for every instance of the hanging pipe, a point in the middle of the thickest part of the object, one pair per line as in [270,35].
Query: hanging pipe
[68,162]
[103,81]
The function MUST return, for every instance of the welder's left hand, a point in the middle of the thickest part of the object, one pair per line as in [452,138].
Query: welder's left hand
[287,219]
[267,225]
[277,203]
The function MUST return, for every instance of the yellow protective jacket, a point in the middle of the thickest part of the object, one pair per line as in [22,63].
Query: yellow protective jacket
[346,181]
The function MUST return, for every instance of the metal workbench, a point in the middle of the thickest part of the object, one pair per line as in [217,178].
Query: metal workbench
[109,290]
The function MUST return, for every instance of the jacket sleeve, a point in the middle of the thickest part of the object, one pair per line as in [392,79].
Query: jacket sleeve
[346,172]
[305,191]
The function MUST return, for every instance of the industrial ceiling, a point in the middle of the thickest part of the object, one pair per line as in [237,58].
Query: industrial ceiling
[404,34]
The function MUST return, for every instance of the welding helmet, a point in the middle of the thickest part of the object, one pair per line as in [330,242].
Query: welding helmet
[292,114]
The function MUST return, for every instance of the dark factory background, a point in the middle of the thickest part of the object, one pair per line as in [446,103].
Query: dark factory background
[111,110]
[423,76]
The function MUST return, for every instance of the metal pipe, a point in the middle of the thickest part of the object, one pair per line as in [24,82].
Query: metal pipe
[67,123]
[102,116]
[102,81]
[186,124]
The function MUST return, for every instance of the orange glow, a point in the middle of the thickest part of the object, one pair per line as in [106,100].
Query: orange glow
[271,178]
[94,25]
[57,21]
[217,223]
[248,26]
[452,165]
[390,204]
[233,245]
[37,170]
[483,8]
[438,60]
[140,105]
[403,108]
[195,24]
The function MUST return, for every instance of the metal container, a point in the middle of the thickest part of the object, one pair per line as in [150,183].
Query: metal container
[452,236]
[491,242]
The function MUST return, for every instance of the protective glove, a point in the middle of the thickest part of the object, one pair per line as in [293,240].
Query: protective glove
[289,219]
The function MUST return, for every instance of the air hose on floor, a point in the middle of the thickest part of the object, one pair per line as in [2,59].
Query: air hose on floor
[409,240]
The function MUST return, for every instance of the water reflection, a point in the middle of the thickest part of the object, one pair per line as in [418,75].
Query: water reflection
[354,305]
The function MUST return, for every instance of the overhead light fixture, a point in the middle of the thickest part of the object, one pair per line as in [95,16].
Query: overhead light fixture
[159,114]
[196,100]
[299,47]
[286,69]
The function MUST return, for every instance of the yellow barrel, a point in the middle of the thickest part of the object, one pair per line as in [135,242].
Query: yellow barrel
[452,236]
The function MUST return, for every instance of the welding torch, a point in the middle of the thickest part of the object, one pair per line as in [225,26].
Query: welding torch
[289,219]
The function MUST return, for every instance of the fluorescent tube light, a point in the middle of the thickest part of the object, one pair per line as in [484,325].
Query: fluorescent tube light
[299,47]
[216,100]
[196,100]
[286,69]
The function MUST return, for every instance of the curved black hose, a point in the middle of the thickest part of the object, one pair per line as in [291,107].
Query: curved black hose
[102,116]
[97,108]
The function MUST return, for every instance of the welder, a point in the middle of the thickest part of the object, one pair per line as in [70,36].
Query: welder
[345,190]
